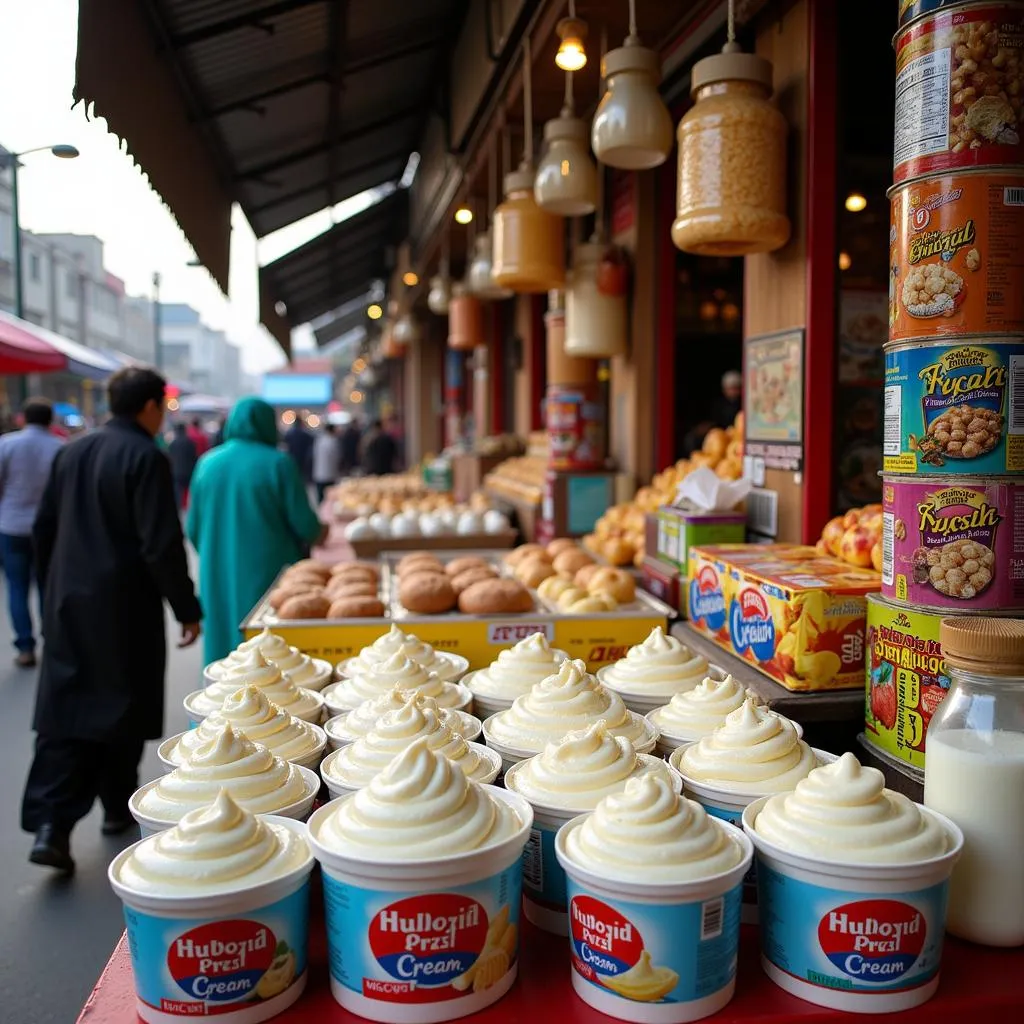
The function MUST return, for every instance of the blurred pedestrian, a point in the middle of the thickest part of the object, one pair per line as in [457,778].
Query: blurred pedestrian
[326,460]
[727,406]
[249,516]
[110,553]
[299,443]
[198,436]
[183,455]
[350,447]
[25,460]
[379,450]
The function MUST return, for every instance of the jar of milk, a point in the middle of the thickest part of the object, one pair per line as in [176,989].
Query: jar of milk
[974,774]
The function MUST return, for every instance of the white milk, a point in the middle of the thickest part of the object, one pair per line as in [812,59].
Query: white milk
[979,782]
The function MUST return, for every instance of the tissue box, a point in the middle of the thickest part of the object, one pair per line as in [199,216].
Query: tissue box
[797,616]
[681,527]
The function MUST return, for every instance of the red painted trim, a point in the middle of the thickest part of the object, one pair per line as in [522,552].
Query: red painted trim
[538,361]
[819,354]
[665,356]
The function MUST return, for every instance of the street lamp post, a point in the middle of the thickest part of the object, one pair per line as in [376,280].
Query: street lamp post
[158,345]
[11,160]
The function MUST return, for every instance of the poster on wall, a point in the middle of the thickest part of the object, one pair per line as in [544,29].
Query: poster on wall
[773,399]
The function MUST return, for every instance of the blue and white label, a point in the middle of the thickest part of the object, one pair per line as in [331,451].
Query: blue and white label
[654,953]
[543,876]
[851,941]
[423,947]
[207,966]
[751,624]
[707,600]
[735,818]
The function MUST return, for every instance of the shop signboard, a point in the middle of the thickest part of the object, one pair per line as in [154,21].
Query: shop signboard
[773,399]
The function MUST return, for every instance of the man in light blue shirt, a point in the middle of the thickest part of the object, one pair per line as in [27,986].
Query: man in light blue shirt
[25,460]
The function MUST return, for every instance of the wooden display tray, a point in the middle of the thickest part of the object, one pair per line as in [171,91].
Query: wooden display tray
[376,546]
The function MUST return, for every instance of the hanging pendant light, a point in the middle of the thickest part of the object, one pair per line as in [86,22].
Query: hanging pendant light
[465,320]
[440,292]
[632,128]
[480,276]
[571,31]
[406,331]
[566,182]
[529,243]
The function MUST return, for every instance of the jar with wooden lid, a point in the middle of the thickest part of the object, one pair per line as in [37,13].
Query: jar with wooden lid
[731,198]
[974,774]
[529,243]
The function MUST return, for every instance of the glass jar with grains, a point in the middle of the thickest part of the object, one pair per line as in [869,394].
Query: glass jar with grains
[731,197]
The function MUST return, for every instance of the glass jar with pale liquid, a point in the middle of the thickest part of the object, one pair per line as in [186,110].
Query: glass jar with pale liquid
[974,774]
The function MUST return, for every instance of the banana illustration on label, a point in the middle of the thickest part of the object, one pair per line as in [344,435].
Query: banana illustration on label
[495,958]
[643,982]
[279,975]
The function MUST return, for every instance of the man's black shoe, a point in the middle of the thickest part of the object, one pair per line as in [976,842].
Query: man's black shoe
[117,826]
[52,849]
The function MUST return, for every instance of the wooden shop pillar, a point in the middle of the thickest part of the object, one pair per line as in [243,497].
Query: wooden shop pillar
[531,375]
[424,369]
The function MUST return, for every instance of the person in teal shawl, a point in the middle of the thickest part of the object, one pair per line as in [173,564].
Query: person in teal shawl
[249,516]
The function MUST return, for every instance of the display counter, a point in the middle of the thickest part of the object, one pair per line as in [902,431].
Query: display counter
[977,984]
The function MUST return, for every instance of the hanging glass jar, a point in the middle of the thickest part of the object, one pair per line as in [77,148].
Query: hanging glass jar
[480,276]
[731,198]
[595,319]
[529,245]
[390,346]
[465,320]
[566,182]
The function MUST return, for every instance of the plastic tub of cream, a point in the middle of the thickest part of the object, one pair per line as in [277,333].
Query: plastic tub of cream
[654,905]
[376,681]
[488,767]
[311,759]
[422,876]
[512,673]
[449,667]
[855,921]
[653,671]
[212,941]
[567,779]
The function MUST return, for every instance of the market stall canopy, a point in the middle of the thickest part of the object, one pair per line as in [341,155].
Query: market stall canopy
[81,361]
[339,266]
[23,351]
[285,107]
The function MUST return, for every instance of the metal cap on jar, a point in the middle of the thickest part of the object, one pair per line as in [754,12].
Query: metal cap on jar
[731,65]
[520,180]
[989,646]
[631,56]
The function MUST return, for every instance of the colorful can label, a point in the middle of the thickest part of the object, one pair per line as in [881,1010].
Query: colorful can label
[906,679]
[851,941]
[954,258]
[645,952]
[735,818]
[214,966]
[543,876]
[959,86]
[429,947]
[911,9]
[952,545]
[707,607]
[955,408]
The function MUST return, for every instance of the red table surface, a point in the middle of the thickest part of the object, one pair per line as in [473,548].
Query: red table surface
[977,984]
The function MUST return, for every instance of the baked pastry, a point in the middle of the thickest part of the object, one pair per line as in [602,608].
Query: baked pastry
[305,606]
[584,576]
[553,587]
[560,544]
[524,551]
[616,582]
[356,608]
[301,578]
[418,563]
[569,597]
[471,576]
[618,551]
[457,566]
[429,593]
[568,563]
[286,591]
[355,570]
[609,602]
[587,606]
[534,571]
[351,588]
[311,565]
[495,597]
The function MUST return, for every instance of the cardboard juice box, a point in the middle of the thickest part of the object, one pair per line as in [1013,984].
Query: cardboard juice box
[681,527]
[797,616]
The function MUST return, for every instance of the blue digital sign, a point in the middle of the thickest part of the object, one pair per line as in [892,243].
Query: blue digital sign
[301,389]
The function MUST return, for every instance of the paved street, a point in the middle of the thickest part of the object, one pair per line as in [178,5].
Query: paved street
[57,934]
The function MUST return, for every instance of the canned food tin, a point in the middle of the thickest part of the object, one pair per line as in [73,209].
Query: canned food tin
[906,679]
[909,10]
[955,259]
[959,85]
[954,407]
[953,545]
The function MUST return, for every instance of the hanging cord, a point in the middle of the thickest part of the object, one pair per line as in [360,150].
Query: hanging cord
[632,17]
[568,102]
[731,46]
[444,254]
[572,8]
[527,102]
[599,212]
[492,179]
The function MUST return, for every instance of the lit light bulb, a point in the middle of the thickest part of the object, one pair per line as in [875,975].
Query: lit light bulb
[463,215]
[844,261]
[855,202]
[374,312]
[411,278]
[571,55]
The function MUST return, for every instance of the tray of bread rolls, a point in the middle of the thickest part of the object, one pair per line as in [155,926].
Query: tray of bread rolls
[313,591]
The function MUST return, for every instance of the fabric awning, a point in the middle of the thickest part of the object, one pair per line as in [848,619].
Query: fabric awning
[81,361]
[23,351]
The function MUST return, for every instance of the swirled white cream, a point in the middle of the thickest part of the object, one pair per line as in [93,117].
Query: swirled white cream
[374,681]
[270,645]
[215,849]
[410,646]
[515,670]
[255,670]
[567,701]
[700,711]
[420,807]
[349,726]
[660,666]
[843,812]
[581,769]
[755,751]
[648,831]
[356,764]
[249,712]
[300,668]
[252,775]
